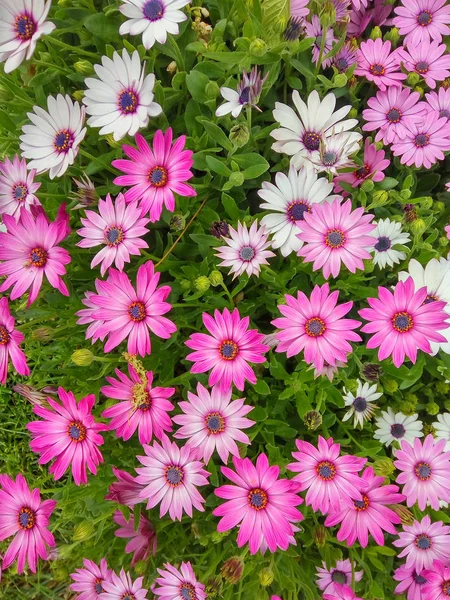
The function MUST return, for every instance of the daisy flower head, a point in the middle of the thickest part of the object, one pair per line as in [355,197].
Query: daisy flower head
[334,234]
[442,429]
[143,540]
[328,477]
[120,101]
[424,142]
[387,235]
[85,316]
[424,542]
[10,340]
[335,152]
[247,94]
[178,584]
[69,434]
[26,517]
[395,427]
[17,187]
[263,505]
[411,582]
[53,140]
[155,174]
[89,580]
[317,327]
[345,58]
[125,490]
[359,21]
[301,133]
[428,59]
[140,406]
[437,586]
[373,167]
[122,587]
[23,23]
[314,30]
[439,102]
[378,63]
[245,250]
[170,476]
[342,592]
[422,20]
[288,199]
[228,350]
[340,574]
[360,405]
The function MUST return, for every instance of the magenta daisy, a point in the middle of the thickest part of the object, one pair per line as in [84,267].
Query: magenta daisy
[69,434]
[212,421]
[89,581]
[437,586]
[143,540]
[118,228]
[429,59]
[178,584]
[316,326]
[24,516]
[314,30]
[423,542]
[10,339]
[402,322]
[328,477]
[411,582]
[85,316]
[122,587]
[155,174]
[425,470]
[171,476]
[125,490]
[422,20]
[340,574]
[141,407]
[342,592]
[378,63]
[263,505]
[334,234]
[373,167]
[439,102]
[17,187]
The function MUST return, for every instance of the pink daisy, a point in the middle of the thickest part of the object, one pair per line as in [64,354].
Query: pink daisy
[68,433]
[425,472]
[211,421]
[333,234]
[328,477]
[377,63]
[316,326]
[118,228]
[423,542]
[23,515]
[142,407]
[89,581]
[86,316]
[143,540]
[178,584]
[411,581]
[438,582]
[123,588]
[345,58]
[391,112]
[261,504]
[341,574]
[359,21]
[342,592]
[17,187]
[422,20]
[10,339]
[439,102]
[358,518]
[129,313]
[228,350]
[314,30]
[245,251]
[299,8]
[374,165]
[155,174]
[171,476]
[125,490]
[447,228]
[29,251]
[429,59]
[402,323]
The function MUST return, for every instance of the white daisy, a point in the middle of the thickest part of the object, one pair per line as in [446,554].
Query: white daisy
[388,234]
[289,199]
[393,427]
[300,136]
[247,94]
[335,151]
[53,139]
[435,276]
[442,428]
[17,187]
[153,18]
[360,406]
[121,100]
[22,23]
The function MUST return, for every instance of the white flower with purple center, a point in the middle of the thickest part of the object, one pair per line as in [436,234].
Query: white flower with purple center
[17,187]
[247,94]
[442,428]
[335,151]
[394,427]
[360,406]
[120,101]
[388,234]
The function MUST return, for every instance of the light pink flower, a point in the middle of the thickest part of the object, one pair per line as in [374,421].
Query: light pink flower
[374,165]
[17,187]
[429,59]
[423,542]
[359,21]
[123,588]
[178,584]
[411,581]
[447,228]
[10,339]
[422,20]
[299,8]
[143,540]
[89,581]
[341,574]
[377,63]
[125,490]
[424,142]
[86,316]
[439,102]
[314,30]
[438,582]
[342,592]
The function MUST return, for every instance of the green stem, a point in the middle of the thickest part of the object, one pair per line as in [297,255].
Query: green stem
[76,49]
[94,159]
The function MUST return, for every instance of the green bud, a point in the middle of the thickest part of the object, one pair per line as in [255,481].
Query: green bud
[258,47]
[320,535]
[266,577]
[177,223]
[413,78]
[428,429]
[78,95]
[442,387]
[112,142]
[232,569]
[83,66]
[376,34]
[217,538]
[380,197]
[419,90]
[392,36]
[42,334]
[140,567]
[405,194]
[328,15]
[216,278]
[371,372]
[312,419]
[432,408]
[426,202]
[443,241]
[367,185]
[390,386]
[438,206]
[418,226]
[340,80]
[82,357]
[239,135]
[379,145]
[202,283]
[213,587]
[83,531]
[353,114]
[383,467]
[212,90]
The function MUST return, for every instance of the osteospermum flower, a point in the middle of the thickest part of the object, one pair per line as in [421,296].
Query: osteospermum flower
[346,57]
[155,174]
[52,141]
[212,421]
[359,21]
[262,505]
[340,574]
[288,199]
[29,250]
[247,94]
[228,350]
[335,152]
[316,326]
[10,339]
[373,167]
[422,20]
[171,476]
[118,228]
[17,187]
[334,234]
[360,405]
[86,316]
[89,580]
[23,23]
[378,63]
[143,540]
[69,434]
[428,59]
[394,427]
[125,490]
[328,477]
[122,587]
[387,235]
[120,101]
[411,582]
[141,407]
[437,586]
[23,515]
[402,323]
[178,584]
[442,429]
[439,102]
[423,542]
[314,30]
[299,8]
[342,592]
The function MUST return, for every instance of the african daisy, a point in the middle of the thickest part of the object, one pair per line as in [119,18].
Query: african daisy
[17,187]
[378,63]
[442,429]
[422,20]
[10,339]
[143,540]
[423,542]
[373,167]
[428,59]
[247,94]
[394,427]
[122,587]
[360,406]
[437,586]
[439,102]
[89,580]
[314,30]
[342,592]
[85,316]
[299,8]
[387,235]
[411,582]
[345,58]
[178,584]
[335,152]
[125,490]
[341,574]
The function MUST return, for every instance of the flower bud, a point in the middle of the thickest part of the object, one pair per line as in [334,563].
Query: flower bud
[83,66]
[266,577]
[383,467]
[405,194]
[446,83]
[185,284]
[371,372]
[418,226]
[441,387]
[339,80]
[213,587]
[406,516]
[232,569]
[216,278]
[78,95]
[413,78]
[390,386]
[443,241]
[177,223]
[219,229]
[367,185]
[392,36]
[239,135]
[353,114]
[202,283]
[432,408]
[83,531]
[172,67]
[320,536]
[380,197]
[258,47]
[31,394]
[312,419]
[212,90]
[140,567]
[428,429]
[419,90]
[376,34]
[82,357]
[438,206]
[42,334]
[410,213]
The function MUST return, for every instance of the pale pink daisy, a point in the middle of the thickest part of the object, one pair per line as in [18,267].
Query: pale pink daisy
[411,582]
[143,540]
[178,584]
[346,57]
[429,59]
[125,490]
[17,187]
[378,63]
[299,8]
[10,339]
[422,20]
[359,21]
[228,350]
[372,168]
[438,582]
[122,587]
[171,476]
[314,30]
[342,592]
[89,580]
[423,542]
[340,574]
[212,421]
[439,102]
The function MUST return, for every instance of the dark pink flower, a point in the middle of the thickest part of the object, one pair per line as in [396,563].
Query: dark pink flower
[125,490]
[341,573]
[429,59]
[143,540]
[437,586]
[10,339]
[411,581]
[122,587]
[178,584]
[373,168]
[89,581]
[377,63]
[17,187]
[342,592]
[314,30]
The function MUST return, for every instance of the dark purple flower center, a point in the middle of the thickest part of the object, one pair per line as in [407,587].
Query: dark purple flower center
[76,431]
[244,96]
[422,67]
[228,350]
[38,257]
[137,311]
[377,69]
[153,10]
[127,596]
[341,64]
[421,140]
[26,518]
[187,591]
[312,140]
[444,113]
[430,298]
[4,336]
[296,211]
[63,141]
[360,404]
[128,101]
[419,579]
[114,236]
[383,244]
[423,542]
[397,430]
[362,172]
[98,586]
[363,504]
[423,471]
[294,29]
[215,423]
[158,176]
[246,253]
[20,191]
[257,498]
[402,322]
[329,158]
[174,475]
[25,27]
[326,470]
[338,577]
[446,588]
[394,115]
[315,327]
[335,238]
[424,18]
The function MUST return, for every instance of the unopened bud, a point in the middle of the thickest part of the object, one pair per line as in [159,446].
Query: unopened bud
[380,197]
[432,408]
[405,194]
[82,357]
[418,226]
[202,283]
[383,467]
[177,223]
[390,386]
[185,284]
[419,90]
[353,114]
[406,516]
[219,229]
[438,206]
[213,587]
[428,429]
[42,334]
[78,95]
[371,372]
[367,185]
[239,135]
[258,47]
[413,78]
[376,34]
[83,531]
[172,67]
[83,66]
[112,142]
[339,80]
[34,396]
[232,569]
[392,36]
[266,577]
[140,567]
[216,278]
[320,536]
[312,419]
[212,90]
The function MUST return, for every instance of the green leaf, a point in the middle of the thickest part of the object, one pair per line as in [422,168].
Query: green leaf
[231,207]
[218,166]
[262,388]
[102,26]
[255,170]
[196,83]
[388,183]
[216,134]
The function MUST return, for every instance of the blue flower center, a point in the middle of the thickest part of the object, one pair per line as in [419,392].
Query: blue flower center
[127,596]
[422,67]
[360,404]
[76,431]
[444,113]
[362,172]
[341,64]
[153,10]
[394,115]
[402,322]
[63,141]
[397,430]
[25,27]
[335,238]
[246,253]
[423,542]
[377,70]
[174,475]
[257,498]
[315,327]
[430,298]
[228,350]
[244,96]
[363,504]
[296,211]
[329,158]
[127,101]
[421,140]
[4,335]
[20,191]
[158,176]
[114,236]
[326,470]
[338,577]
[383,244]
[27,518]
[424,18]
[98,586]
[137,311]
[311,140]
[38,257]
[446,588]
[419,579]
[187,591]
[423,471]
[215,422]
